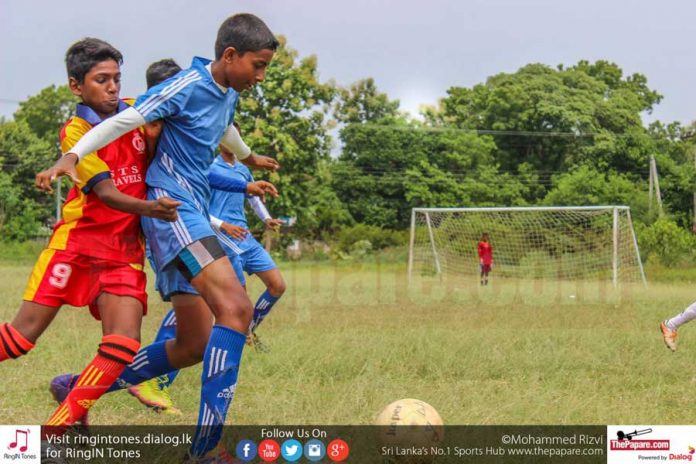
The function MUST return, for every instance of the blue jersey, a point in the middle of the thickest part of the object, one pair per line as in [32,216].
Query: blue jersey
[229,206]
[196,113]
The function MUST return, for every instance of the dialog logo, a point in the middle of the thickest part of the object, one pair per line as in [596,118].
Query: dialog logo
[291,450]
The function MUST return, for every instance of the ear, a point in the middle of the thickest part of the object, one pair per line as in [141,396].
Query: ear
[75,87]
[230,54]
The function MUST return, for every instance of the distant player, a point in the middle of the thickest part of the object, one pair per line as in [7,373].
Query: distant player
[669,327]
[485,253]
[95,255]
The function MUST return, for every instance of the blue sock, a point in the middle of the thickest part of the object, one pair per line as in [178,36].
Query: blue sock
[167,331]
[149,363]
[263,307]
[218,383]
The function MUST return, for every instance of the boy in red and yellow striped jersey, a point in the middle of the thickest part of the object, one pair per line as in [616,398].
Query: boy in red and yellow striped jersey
[95,255]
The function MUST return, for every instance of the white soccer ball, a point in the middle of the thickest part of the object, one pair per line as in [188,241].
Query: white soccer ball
[410,422]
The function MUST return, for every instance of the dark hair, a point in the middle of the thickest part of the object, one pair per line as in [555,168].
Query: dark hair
[246,33]
[160,71]
[84,54]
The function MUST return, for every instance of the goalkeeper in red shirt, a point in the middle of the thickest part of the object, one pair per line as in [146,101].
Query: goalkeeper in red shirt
[485,252]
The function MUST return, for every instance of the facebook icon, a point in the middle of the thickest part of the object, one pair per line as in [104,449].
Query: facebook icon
[246,450]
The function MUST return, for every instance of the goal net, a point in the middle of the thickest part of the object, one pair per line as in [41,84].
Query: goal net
[584,242]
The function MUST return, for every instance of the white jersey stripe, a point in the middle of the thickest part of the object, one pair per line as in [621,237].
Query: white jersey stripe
[167,93]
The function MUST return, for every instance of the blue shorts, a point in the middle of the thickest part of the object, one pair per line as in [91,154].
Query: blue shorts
[246,255]
[171,280]
[168,239]
[256,259]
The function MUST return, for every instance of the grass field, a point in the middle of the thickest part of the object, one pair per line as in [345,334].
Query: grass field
[346,340]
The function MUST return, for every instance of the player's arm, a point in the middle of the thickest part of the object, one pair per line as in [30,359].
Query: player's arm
[232,141]
[221,181]
[235,231]
[151,132]
[157,103]
[96,138]
[162,208]
[263,214]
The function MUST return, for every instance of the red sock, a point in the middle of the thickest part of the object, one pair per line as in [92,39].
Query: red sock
[12,343]
[114,354]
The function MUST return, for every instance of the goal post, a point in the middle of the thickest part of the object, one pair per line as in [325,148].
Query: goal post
[551,242]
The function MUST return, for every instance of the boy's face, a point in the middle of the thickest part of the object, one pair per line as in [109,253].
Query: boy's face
[101,88]
[245,71]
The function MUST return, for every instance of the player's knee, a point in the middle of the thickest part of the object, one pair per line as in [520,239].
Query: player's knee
[277,288]
[237,308]
[12,343]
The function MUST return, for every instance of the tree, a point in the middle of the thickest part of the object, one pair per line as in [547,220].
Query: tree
[586,186]
[23,208]
[363,103]
[285,117]
[46,112]
[554,119]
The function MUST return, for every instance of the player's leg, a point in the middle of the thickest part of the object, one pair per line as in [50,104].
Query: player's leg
[154,393]
[43,297]
[121,318]
[192,321]
[258,261]
[217,283]
[670,326]
[18,337]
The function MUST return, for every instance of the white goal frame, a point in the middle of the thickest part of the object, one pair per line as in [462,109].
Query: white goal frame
[615,231]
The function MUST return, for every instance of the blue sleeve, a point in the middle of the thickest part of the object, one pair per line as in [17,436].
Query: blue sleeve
[226,183]
[168,97]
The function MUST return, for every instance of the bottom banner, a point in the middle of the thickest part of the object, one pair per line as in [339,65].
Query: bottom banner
[354,444]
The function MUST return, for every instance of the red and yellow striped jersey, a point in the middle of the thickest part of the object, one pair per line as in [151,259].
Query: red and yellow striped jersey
[89,227]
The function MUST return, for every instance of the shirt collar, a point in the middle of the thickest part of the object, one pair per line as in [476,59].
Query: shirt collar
[88,114]
[204,66]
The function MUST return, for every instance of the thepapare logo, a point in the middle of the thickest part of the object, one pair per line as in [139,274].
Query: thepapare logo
[639,445]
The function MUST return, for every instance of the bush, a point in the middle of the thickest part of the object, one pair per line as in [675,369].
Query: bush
[665,241]
[377,237]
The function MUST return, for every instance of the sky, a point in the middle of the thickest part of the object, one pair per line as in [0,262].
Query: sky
[414,49]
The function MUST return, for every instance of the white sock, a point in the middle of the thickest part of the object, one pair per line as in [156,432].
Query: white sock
[682,318]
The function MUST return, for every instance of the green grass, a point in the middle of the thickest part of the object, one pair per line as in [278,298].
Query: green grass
[346,340]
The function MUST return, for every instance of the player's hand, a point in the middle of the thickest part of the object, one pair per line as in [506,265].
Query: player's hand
[273,224]
[235,231]
[260,188]
[163,208]
[261,162]
[65,166]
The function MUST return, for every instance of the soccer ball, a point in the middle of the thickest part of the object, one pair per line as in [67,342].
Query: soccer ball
[410,422]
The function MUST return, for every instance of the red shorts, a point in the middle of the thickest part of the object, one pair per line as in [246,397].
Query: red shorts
[61,277]
[485,268]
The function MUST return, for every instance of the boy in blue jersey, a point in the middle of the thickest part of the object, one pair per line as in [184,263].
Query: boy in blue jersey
[197,106]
